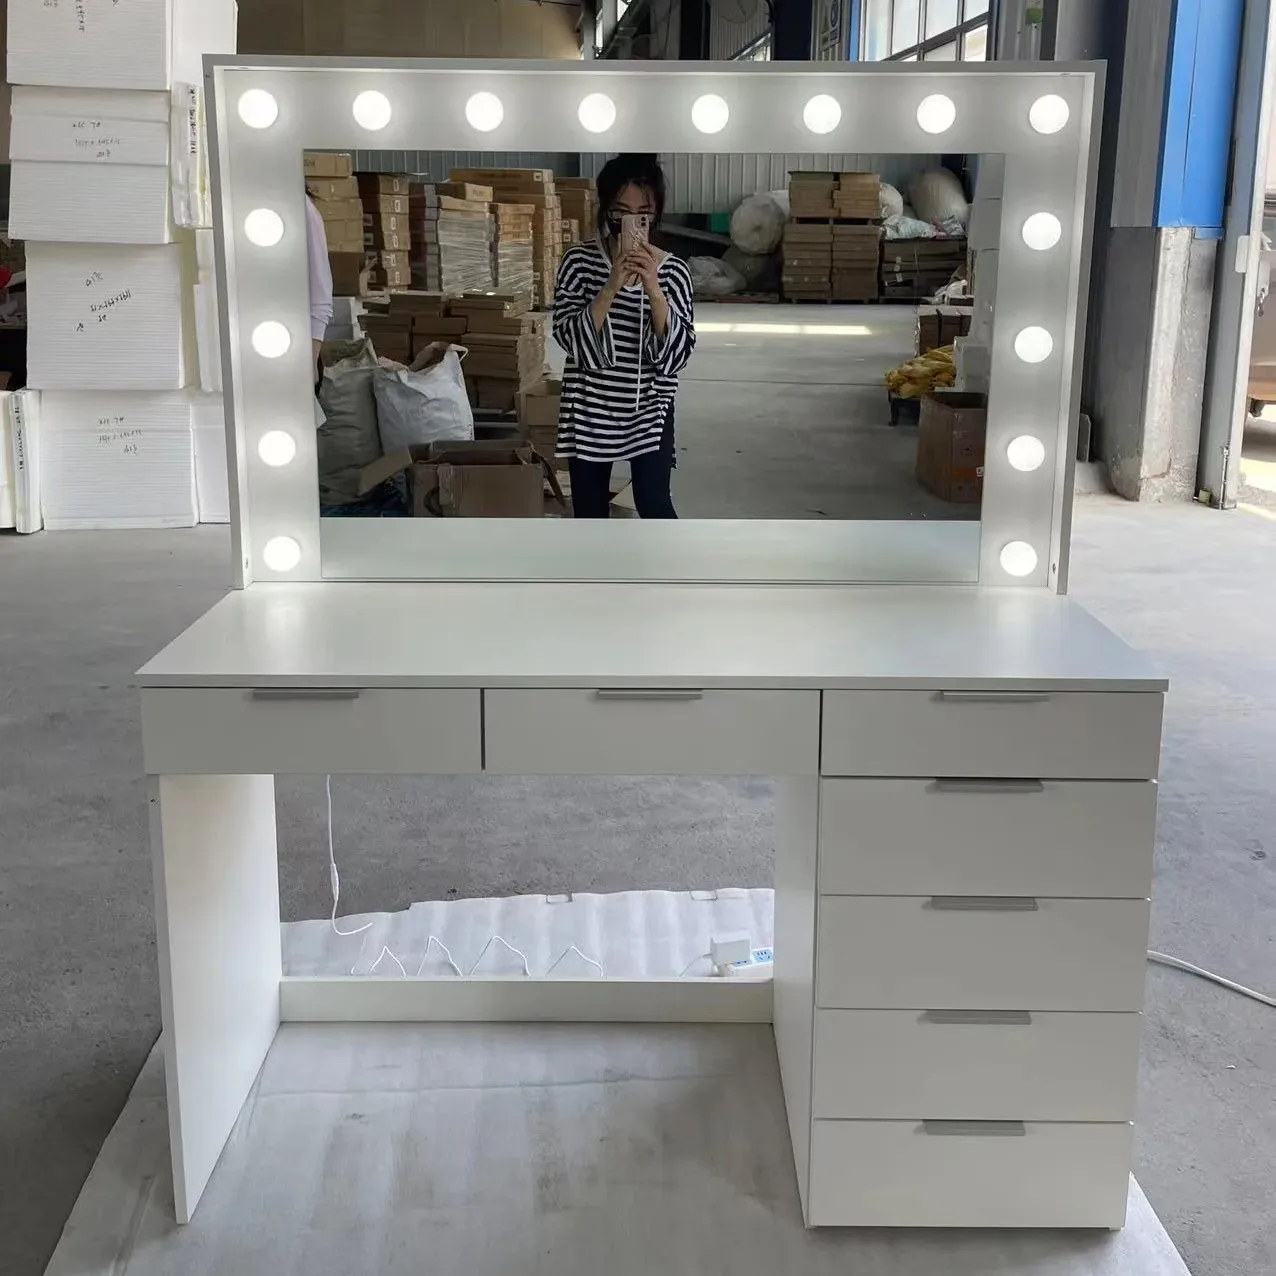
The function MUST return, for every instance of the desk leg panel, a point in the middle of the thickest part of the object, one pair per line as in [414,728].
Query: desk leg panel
[217,927]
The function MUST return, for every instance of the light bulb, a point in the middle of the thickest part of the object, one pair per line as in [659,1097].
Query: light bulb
[271,339]
[1042,231]
[597,113]
[1048,114]
[484,112]
[1033,345]
[281,554]
[936,114]
[822,114]
[258,109]
[710,113]
[264,227]
[1025,453]
[372,111]
[277,447]
[1018,558]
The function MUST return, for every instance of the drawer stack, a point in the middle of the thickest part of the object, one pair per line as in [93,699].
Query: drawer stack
[980,904]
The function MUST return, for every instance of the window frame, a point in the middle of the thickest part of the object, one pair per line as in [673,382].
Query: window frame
[917,51]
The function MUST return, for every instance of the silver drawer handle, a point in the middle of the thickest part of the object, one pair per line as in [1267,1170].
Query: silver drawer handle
[642,693]
[1000,1018]
[993,697]
[982,904]
[981,1129]
[986,786]
[306,693]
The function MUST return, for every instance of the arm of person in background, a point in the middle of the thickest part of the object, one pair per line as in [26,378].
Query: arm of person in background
[320,277]
[584,335]
[673,313]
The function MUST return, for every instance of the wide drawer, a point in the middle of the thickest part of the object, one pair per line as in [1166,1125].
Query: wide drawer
[969,953]
[1061,736]
[1017,837]
[987,1065]
[915,1174]
[231,731]
[652,732]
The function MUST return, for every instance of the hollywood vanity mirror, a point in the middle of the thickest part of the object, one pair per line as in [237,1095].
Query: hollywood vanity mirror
[964,760]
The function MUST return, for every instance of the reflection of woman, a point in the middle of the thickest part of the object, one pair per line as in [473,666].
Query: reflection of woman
[627,323]
[320,280]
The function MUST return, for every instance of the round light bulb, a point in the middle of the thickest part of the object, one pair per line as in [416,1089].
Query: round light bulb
[1018,559]
[937,113]
[1048,114]
[1042,231]
[597,113]
[277,447]
[710,113]
[264,227]
[1033,345]
[372,111]
[281,554]
[258,109]
[271,339]
[485,112]
[1025,453]
[822,114]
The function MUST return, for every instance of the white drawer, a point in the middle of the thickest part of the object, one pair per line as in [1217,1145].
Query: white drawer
[233,731]
[967,953]
[914,1174]
[1061,736]
[1008,837]
[991,1065]
[652,732]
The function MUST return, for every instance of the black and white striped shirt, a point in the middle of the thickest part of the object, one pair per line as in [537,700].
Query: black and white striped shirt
[618,384]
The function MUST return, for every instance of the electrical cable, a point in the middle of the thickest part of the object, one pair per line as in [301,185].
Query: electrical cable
[597,965]
[1177,963]
[334,876]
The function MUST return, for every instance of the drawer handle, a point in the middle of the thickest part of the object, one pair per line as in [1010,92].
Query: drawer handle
[981,1129]
[982,904]
[645,693]
[1001,1018]
[986,786]
[993,697]
[306,693]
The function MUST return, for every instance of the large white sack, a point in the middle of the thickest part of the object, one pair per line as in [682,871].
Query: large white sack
[892,201]
[757,226]
[937,196]
[348,438]
[760,272]
[711,277]
[426,403]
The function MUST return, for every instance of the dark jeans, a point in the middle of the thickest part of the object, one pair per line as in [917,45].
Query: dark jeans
[651,474]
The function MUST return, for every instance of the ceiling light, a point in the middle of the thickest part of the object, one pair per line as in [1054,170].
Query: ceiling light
[1026,453]
[258,109]
[271,339]
[1017,559]
[281,554]
[1042,231]
[372,111]
[264,227]
[277,447]
[484,112]
[1048,114]
[710,113]
[597,113]
[1034,345]
[822,114]
[937,113]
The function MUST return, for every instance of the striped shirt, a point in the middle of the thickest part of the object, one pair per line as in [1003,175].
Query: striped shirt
[618,384]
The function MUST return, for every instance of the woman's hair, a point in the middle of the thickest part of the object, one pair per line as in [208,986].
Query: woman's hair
[630,170]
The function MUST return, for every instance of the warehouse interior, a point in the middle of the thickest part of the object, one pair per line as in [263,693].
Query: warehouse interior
[1174,539]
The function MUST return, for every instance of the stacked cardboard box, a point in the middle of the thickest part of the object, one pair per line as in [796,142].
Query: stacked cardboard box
[535,187]
[453,238]
[914,269]
[333,189]
[808,261]
[427,315]
[571,232]
[856,263]
[939,326]
[512,248]
[538,408]
[387,238]
[858,196]
[579,196]
[507,345]
[390,334]
[811,194]
[951,444]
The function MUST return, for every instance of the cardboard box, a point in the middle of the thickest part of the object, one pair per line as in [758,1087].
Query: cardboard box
[950,445]
[387,241]
[326,164]
[373,185]
[349,274]
[330,189]
[468,192]
[465,479]
[341,209]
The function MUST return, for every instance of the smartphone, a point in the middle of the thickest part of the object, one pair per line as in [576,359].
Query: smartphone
[634,230]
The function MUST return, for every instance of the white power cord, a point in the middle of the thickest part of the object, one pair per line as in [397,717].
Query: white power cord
[1177,963]
[335,877]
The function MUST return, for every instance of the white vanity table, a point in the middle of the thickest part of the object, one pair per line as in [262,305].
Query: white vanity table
[967,760]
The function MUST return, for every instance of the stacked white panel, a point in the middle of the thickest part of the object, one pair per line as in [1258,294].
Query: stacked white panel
[98,44]
[212,489]
[117,461]
[90,167]
[21,442]
[8,492]
[207,315]
[105,317]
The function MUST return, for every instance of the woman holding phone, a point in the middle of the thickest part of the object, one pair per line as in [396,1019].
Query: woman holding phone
[623,312]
